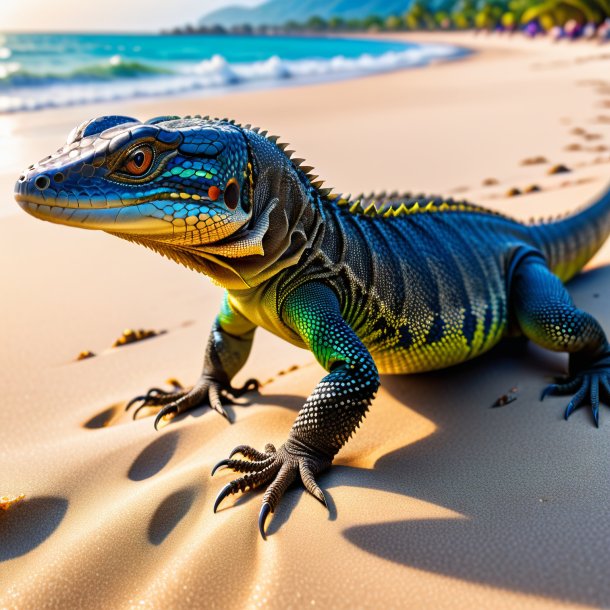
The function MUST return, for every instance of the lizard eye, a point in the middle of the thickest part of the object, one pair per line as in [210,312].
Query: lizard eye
[232,194]
[139,161]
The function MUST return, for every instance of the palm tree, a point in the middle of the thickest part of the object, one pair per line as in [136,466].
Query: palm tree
[419,16]
[464,14]
[488,16]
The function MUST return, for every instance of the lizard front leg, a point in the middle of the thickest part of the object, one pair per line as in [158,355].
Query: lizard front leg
[227,350]
[546,315]
[331,413]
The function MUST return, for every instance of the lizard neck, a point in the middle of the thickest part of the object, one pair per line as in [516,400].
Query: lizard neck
[287,220]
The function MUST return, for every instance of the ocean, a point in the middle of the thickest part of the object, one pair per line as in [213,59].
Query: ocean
[52,70]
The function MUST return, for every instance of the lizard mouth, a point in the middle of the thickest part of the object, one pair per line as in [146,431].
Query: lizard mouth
[158,219]
[109,203]
[133,219]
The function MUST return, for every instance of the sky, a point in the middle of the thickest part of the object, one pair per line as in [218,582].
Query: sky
[104,15]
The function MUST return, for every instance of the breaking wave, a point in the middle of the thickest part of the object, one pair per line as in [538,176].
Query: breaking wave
[118,78]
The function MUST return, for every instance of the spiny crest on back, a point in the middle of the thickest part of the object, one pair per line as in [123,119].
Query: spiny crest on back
[383,205]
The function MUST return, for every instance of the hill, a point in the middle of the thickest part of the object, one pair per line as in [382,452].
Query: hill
[278,12]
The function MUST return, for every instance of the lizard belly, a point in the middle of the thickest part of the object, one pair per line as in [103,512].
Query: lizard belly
[429,340]
[449,352]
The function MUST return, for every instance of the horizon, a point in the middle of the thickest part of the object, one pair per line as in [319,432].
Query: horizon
[117,18]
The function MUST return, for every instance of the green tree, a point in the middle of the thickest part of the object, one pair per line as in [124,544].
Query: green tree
[373,22]
[316,23]
[419,17]
[336,23]
[393,23]
[488,16]
[355,24]
[464,14]
[509,20]
[442,20]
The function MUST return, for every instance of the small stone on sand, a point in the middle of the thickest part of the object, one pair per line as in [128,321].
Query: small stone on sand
[559,169]
[131,336]
[7,502]
[534,160]
[507,398]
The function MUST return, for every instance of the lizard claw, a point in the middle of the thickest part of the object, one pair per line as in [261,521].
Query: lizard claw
[224,492]
[253,454]
[243,465]
[219,465]
[167,410]
[548,391]
[262,518]
[207,391]
[150,395]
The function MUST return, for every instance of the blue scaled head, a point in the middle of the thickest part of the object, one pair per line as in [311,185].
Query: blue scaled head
[172,180]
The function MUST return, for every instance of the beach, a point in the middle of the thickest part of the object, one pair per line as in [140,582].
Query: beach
[439,500]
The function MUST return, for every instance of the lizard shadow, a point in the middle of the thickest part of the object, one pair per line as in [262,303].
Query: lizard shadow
[530,490]
[292,402]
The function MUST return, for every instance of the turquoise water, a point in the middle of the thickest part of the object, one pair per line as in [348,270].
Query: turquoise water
[42,70]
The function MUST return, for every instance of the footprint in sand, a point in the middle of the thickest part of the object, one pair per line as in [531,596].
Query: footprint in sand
[29,525]
[560,168]
[154,457]
[105,418]
[532,188]
[170,512]
[538,160]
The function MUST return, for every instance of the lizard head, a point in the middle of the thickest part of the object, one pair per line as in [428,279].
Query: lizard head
[169,180]
[217,197]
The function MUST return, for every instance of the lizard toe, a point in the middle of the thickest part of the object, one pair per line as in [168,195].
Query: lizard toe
[280,468]
[588,388]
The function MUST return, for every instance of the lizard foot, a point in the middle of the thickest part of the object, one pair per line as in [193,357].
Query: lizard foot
[207,391]
[280,467]
[586,388]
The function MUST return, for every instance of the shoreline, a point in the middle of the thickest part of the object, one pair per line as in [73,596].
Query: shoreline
[437,501]
[103,78]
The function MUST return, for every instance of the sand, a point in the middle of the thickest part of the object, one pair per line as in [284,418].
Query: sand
[439,500]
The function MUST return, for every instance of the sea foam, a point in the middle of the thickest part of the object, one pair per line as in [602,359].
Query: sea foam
[119,79]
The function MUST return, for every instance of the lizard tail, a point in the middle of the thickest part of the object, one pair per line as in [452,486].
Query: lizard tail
[571,242]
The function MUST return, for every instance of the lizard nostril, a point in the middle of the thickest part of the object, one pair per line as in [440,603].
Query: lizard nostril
[21,178]
[42,182]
